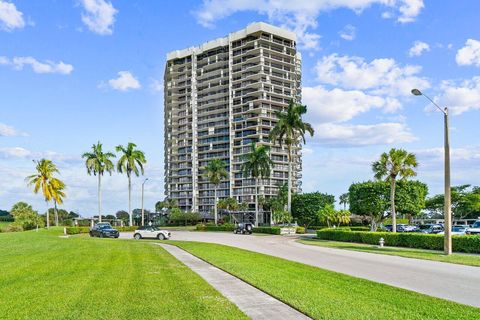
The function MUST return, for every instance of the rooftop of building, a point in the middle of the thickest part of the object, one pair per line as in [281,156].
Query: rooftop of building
[233,36]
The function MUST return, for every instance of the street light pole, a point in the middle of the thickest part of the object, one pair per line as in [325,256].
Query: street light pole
[143,211]
[447,244]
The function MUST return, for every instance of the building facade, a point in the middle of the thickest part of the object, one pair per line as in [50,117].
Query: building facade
[219,98]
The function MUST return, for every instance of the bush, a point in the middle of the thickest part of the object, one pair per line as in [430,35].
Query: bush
[212,227]
[77,230]
[13,228]
[267,230]
[126,228]
[300,230]
[8,218]
[469,244]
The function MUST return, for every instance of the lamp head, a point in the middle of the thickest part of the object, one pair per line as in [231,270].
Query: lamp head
[416,92]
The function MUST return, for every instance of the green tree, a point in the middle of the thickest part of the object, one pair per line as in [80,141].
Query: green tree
[371,198]
[257,164]
[343,200]
[159,206]
[25,216]
[131,161]
[395,163]
[290,130]
[122,215]
[58,192]
[215,172]
[465,202]
[305,206]
[98,162]
[45,181]
[327,214]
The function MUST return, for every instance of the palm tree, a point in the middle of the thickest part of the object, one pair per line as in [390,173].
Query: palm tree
[215,172]
[44,180]
[97,162]
[290,130]
[257,165]
[129,160]
[397,162]
[343,199]
[58,194]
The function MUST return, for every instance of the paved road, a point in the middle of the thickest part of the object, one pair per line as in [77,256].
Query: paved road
[444,280]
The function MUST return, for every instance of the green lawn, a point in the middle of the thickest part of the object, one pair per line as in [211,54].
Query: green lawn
[458,258]
[325,294]
[47,277]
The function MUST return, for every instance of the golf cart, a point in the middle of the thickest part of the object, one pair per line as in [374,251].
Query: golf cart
[243,228]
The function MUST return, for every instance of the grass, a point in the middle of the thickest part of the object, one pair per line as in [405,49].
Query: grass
[180,228]
[458,258]
[47,277]
[323,294]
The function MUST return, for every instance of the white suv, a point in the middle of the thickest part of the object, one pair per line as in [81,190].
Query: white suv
[151,232]
[475,229]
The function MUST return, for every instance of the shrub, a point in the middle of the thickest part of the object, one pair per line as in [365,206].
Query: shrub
[77,230]
[267,230]
[469,244]
[210,227]
[300,230]
[8,218]
[13,228]
[126,228]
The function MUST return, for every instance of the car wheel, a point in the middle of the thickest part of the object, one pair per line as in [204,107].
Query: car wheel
[137,236]
[161,236]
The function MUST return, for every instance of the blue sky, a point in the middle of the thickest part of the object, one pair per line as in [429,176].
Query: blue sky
[75,72]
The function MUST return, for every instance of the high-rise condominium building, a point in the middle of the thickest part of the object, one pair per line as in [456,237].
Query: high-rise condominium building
[219,98]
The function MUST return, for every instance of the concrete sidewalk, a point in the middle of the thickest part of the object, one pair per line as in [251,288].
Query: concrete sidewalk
[449,281]
[254,303]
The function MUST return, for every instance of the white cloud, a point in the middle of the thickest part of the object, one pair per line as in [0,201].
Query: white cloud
[19,63]
[381,76]
[342,135]
[464,154]
[9,131]
[99,16]
[418,49]
[124,82]
[300,16]
[10,17]
[469,54]
[348,32]
[339,105]
[15,152]
[409,10]
[20,152]
[460,97]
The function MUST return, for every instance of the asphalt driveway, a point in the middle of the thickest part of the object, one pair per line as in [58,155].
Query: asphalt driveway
[443,280]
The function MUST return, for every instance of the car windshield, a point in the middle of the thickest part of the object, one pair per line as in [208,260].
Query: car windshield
[425,226]
[476,224]
[105,226]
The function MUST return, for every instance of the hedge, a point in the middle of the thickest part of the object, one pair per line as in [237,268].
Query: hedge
[268,230]
[300,230]
[77,230]
[231,227]
[7,218]
[468,244]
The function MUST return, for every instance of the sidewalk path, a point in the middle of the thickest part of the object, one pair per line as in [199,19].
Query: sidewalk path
[254,303]
[453,282]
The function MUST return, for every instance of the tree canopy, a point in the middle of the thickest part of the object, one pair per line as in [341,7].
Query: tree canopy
[305,206]
[465,202]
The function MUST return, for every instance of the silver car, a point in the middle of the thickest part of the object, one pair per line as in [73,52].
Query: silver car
[151,232]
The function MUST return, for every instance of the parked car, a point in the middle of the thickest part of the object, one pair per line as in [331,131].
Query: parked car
[243,228]
[151,232]
[475,229]
[457,231]
[430,228]
[400,228]
[104,230]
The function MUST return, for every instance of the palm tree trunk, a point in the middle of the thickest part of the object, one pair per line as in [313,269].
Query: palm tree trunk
[289,201]
[215,205]
[130,200]
[99,197]
[256,202]
[56,212]
[48,215]
[392,202]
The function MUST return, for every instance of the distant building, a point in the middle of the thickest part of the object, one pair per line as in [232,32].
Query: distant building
[221,96]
